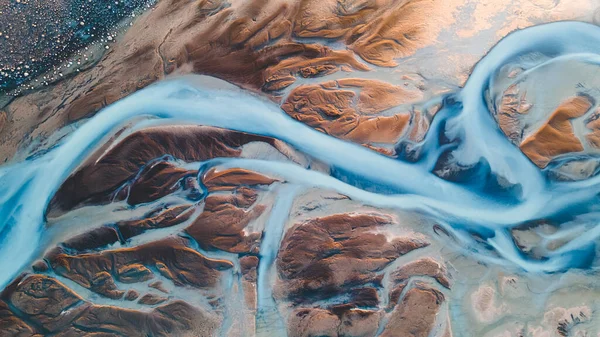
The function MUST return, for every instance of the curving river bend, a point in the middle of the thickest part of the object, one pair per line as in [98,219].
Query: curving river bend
[475,206]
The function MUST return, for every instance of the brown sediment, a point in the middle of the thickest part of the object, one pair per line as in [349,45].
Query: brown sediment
[390,152]
[223,220]
[104,173]
[593,124]
[284,73]
[556,136]
[263,46]
[151,299]
[422,267]
[174,318]
[332,19]
[421,121]
[399,31]
[43,300]
[154,220]
[101,237]
[39,266]
[170,256]
[254,48]
[53,309]
[512,105]
[312,322]
[249,265]
[377,96]
[254,45]
[155,181]
[229,179]
[12,325]
[416,313]
[359,322]
[334,108]
[158,285]
[93,239]
[131,295]
[378,31]
[305,322]
[3,120]
[325,256]
[363,297]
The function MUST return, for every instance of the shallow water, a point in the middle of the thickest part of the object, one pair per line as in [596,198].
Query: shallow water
[474,204]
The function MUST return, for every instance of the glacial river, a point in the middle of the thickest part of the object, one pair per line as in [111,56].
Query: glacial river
[464,209]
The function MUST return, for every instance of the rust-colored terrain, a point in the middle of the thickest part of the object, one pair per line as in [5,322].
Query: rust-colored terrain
[320,50]
[166,268]
[145,241]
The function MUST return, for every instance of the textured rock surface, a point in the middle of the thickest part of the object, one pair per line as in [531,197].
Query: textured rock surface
[53,309]
[271,46]
[106,278]
[335,109]
[554,137]
[415,315]
[159,233]
[129,171]
[328,255]
[554,127]
[222,223]
[170,257]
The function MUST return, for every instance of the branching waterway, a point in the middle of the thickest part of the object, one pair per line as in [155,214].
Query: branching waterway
[477,206]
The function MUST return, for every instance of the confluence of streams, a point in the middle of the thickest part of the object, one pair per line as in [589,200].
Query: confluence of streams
[27,187]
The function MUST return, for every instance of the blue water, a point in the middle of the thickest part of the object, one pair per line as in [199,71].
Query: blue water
[462,205]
